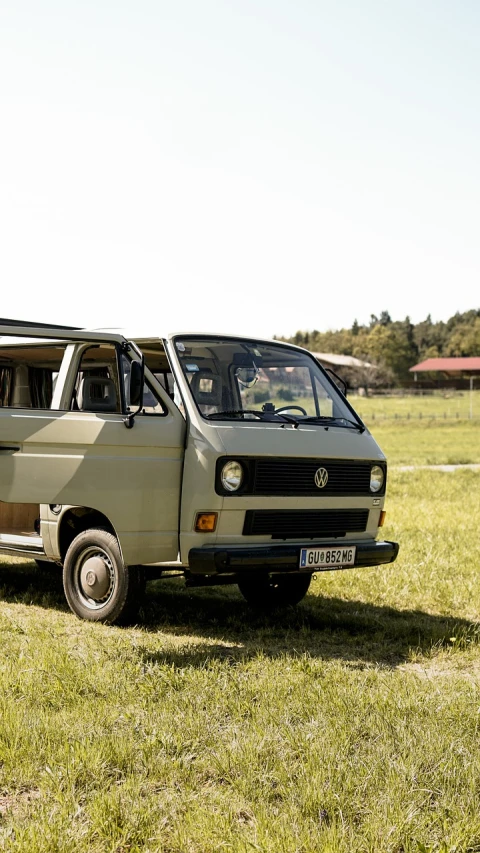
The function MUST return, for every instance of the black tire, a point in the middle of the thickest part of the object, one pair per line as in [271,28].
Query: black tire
[97,584]
[271,593]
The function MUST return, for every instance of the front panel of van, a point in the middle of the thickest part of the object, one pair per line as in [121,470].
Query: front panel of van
[282,501]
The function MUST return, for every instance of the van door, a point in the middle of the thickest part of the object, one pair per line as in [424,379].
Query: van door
[80,453]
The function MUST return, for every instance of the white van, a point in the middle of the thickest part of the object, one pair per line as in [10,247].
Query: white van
[234,460]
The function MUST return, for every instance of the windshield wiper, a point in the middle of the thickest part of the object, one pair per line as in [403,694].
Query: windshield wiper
[232,413]
[272,417]
[332,420]
[269,417]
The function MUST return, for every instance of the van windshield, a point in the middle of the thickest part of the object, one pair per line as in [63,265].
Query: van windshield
[246,380]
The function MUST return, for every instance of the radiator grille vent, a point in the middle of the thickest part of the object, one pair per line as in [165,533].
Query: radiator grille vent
[309,524]
[297,477]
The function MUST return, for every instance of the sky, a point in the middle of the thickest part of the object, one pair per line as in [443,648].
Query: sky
[244,166]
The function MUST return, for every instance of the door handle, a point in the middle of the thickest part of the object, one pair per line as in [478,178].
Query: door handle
[4,448]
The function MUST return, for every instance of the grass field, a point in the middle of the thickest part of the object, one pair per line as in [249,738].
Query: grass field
[350,723]
[428,442]
[446,405]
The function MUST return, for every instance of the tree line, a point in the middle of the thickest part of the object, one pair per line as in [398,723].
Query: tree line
[396,345]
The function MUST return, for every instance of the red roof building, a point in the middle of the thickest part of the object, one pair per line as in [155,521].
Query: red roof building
[460,366]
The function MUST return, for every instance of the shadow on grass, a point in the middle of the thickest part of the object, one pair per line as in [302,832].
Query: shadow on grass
[325,627]
[355,631]
[23,582]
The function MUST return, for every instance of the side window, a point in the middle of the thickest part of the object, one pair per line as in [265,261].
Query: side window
[97,388]
[325,402]
[28,374]
[152,405]
[168,382]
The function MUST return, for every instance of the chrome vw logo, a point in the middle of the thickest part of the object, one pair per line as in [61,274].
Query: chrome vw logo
[321,478]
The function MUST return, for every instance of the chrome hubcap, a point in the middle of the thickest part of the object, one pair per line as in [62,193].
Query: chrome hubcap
[94,578]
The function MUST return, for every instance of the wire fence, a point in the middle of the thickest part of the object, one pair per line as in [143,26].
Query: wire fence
[418,416]
[453,405]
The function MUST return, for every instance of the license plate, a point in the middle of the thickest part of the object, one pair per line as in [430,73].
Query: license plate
[327,558]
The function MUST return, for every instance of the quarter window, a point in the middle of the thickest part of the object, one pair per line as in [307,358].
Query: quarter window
[28,373]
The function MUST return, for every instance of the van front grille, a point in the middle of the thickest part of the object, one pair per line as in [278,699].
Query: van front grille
[297,477]
[309,524]
[294,477]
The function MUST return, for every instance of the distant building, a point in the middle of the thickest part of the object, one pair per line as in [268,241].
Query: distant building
[333,359]
[450,368]
[355,372]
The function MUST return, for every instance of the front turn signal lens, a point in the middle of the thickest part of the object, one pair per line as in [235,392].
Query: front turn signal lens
[381,520]
[206,522]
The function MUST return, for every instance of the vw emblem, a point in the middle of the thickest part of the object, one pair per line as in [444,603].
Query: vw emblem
[321,478]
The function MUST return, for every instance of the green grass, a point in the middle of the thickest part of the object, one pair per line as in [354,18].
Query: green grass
[438,405]
[412,430]
[350,723]
[428,442]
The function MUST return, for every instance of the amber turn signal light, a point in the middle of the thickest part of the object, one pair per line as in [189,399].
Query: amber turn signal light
[381,520]
[206,522]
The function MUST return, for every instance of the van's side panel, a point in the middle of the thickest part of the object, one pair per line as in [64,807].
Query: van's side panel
[131,476]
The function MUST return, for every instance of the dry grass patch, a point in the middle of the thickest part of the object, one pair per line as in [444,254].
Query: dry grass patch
[17,804]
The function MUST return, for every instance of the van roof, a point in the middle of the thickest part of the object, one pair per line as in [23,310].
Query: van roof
[142,339]
[24,334]
[14,334]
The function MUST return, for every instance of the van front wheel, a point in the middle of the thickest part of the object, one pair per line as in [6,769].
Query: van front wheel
[97,584]
[267,593]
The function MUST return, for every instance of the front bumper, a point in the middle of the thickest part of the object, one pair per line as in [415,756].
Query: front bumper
[213,560]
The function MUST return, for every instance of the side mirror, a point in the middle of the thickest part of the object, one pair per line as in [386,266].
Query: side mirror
[136,385]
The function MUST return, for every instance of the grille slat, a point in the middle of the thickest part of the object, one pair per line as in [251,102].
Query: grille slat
[294,477]
[296,524]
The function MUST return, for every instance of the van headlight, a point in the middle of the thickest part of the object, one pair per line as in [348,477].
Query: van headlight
[231,476]
[377,476]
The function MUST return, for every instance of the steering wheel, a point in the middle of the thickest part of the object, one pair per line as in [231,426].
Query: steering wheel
[287,408]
